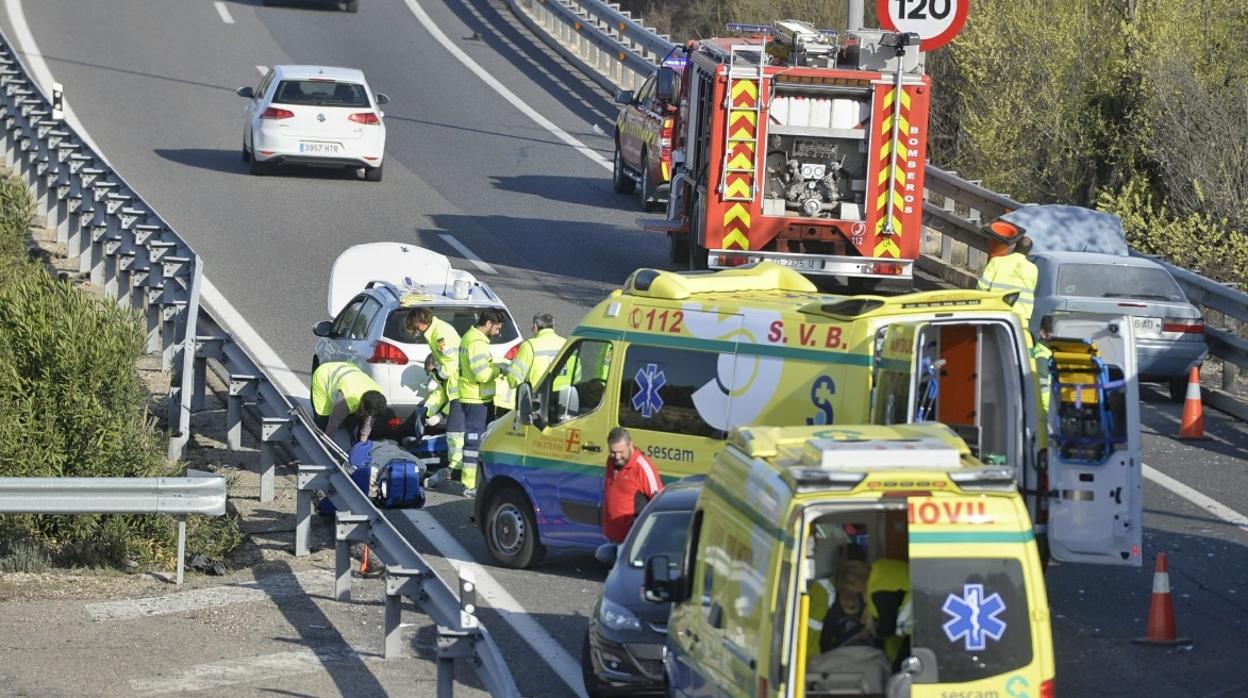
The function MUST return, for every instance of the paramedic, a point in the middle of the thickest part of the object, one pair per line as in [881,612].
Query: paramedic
[443,343]
[436,406]
[535,354]
[1009,269]
[629,482]
[343,395]
[470,411]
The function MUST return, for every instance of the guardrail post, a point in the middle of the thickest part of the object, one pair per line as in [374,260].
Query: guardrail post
[946,242]
[273,430]
[206,347]
[457,643]
[400,582]
[1229,370]
[311,478]
[181,547]
[350,528]
[242,387]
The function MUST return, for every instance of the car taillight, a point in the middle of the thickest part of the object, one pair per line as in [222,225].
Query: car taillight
[888,268]
[367,118]
[665,135]
[275,113]
[1183,326]
[385,353]
[1047,689]
[511,353]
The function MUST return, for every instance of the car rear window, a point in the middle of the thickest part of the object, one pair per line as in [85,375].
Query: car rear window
[1117,281]
[972,614]
[461,318]
[323,93]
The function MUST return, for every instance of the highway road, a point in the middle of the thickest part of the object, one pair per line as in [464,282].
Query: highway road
[496,154]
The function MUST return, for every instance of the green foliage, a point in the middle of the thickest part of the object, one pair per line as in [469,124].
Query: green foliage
[74,406]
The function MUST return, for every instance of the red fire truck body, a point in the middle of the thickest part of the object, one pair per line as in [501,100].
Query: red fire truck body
[795,148]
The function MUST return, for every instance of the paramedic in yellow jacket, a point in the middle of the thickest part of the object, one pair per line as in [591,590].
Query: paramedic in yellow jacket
[437,405]
[344,396]
[443,343]
[536,353]
[471,410]
[1009,269]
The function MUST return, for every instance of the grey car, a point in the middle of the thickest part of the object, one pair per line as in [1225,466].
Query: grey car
[1169,331]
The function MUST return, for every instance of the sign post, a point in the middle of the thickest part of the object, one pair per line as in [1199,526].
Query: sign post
[936,22]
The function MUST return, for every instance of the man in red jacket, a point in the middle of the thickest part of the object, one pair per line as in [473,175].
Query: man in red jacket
[630,481]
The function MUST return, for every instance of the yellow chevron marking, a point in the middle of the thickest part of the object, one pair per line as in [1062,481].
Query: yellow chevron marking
[747,114]
[885,247]
[741,162]
[744,87]
[905,98]
[738,187]
[737,212]
[899,202]
[738,238]
[879,226]
[663,168]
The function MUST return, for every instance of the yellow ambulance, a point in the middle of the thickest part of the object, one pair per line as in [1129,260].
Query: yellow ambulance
[681,358]
[936,583]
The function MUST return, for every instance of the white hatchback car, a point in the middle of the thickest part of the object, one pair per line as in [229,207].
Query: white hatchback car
[372,289]
[314,115]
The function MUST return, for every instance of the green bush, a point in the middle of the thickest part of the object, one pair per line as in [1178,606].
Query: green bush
[74,406]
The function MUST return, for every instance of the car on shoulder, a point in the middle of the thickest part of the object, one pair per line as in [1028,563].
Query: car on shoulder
[624,644]
[1169,330]
[318,116]
[644,136]
[373,288]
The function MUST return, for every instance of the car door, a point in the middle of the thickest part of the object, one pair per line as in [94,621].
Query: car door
[1096,508]
[340,345]
[566,456]
[251,106]
[633,135]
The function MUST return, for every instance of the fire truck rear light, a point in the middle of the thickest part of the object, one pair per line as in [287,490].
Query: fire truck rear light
[889,268]
[732,260]
[1183,326]
[386,353]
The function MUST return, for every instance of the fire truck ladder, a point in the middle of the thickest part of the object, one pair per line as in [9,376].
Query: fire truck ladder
[738,181]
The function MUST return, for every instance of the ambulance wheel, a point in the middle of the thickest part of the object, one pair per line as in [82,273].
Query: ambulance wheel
[678,247]
[1178,389]
[620,181]
[649,201]
[510,529]
[594,688]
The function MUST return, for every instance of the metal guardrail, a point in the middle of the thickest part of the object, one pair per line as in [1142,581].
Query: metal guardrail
[198,493]
[616,50]
[126,249]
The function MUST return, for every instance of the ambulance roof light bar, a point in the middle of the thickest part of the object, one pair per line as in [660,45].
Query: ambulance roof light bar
[876,454]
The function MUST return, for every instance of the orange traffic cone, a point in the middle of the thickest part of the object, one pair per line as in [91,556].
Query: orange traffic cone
[1193,425]
[1161,630]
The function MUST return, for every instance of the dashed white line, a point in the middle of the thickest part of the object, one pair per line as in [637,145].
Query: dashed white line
[1207,503]
[224,12]
[510,610]
[468,254]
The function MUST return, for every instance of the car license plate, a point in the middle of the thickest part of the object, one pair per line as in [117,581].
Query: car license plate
[319,147]
[799,264]
[1150,326]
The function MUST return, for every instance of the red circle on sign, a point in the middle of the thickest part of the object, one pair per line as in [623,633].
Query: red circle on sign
[933,42]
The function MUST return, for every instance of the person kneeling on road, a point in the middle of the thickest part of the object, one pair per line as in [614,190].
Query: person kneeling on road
[630,481]
[345,397]
[471,412]
[436,406]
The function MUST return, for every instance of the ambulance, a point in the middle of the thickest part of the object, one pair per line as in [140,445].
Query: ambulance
[681,358]
[955,597]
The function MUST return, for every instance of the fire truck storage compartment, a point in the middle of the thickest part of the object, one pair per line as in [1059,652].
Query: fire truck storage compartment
[816,151]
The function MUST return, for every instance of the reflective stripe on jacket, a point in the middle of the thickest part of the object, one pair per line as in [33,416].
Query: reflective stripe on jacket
[476,368]
[533,356]
[1012,272]
[444,344]
[335,377]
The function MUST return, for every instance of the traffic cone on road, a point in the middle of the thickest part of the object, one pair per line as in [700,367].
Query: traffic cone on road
[1193,425]
[1161,629]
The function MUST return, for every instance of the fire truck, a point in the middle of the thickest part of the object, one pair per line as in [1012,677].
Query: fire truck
[802,147]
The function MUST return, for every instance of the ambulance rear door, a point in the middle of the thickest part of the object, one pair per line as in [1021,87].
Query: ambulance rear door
[892,393]
[1095,486]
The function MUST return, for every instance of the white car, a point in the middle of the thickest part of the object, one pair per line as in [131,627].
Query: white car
[372,289]
[314,115]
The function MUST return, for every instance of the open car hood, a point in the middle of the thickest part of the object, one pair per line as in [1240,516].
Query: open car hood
[1060,228]
[402,264]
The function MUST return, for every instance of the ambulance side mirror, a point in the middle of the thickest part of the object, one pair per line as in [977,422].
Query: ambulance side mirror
[665,85]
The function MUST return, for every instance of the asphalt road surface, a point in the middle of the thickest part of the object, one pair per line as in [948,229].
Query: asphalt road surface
[495,157]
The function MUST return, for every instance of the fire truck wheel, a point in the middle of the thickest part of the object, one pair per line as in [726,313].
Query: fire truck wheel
[620,181]
[649,201]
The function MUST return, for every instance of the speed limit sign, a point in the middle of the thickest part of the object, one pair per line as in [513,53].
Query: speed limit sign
[935,21]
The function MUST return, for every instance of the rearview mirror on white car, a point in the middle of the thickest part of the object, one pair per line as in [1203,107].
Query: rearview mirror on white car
[323,328]
[382,98]
[246,92]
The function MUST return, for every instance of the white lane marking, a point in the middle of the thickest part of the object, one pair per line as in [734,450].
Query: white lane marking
[510,610]
[231,672]
[39,68]
[276,587]
[224,12]
[1207,503]
[468,254]
[264,69]
[501,89]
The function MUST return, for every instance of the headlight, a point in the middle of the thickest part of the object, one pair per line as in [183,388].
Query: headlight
[617,617]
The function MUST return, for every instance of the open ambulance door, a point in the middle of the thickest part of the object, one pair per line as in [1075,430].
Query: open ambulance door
[896,353]
[1095,486]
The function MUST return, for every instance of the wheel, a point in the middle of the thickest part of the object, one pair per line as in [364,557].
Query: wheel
[697,253]
[620,181]
[258,168]
[353,5]
[510,530]
[1178,389]
[648,199]
[678,247]
[373,174]
[594,688]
